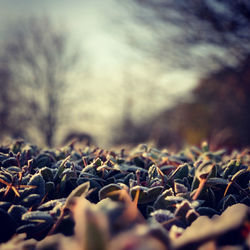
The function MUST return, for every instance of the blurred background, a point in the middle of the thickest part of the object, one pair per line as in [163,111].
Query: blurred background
[112,72]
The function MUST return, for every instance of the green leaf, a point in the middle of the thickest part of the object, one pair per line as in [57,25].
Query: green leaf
[160,201]
[31,200]
[43,160]
[153,173]
[61,168]
[180,172]
[146,195]
[47,174]
[180,188]
[81,190]
[16,211]
[195,183]
[204,169]
[232,168]
[38,217]
[38,181]
[49,187]
[107,191]
[217,181]
[191,216]
[14,169]
[240,180]
[182,208]
[228,200]
[207,211]
[49,205]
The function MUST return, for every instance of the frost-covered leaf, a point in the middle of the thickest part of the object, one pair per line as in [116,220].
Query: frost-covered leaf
[146,195]
[31,200]
[46,174]
[38,181]
[109,191]
[38,217]
[81,190]
[16,211]
[180,172]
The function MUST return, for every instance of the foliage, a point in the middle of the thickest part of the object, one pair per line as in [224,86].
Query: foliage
[183,33]
[219,109]
[99,199]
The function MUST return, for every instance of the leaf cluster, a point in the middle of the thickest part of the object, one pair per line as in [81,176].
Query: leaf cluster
[146,196]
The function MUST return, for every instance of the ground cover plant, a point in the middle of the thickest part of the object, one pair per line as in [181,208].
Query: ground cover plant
[89,198]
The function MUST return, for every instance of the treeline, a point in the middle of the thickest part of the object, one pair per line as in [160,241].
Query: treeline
[217,111]
[35,60]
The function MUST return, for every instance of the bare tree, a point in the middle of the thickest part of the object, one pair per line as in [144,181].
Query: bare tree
[4,99]
[39,58]
[185,32]
[7,102]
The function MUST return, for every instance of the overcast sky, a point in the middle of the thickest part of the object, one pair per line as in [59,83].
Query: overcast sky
[96,27]
[89,22]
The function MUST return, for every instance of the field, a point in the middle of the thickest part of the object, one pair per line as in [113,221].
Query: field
[92,199]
